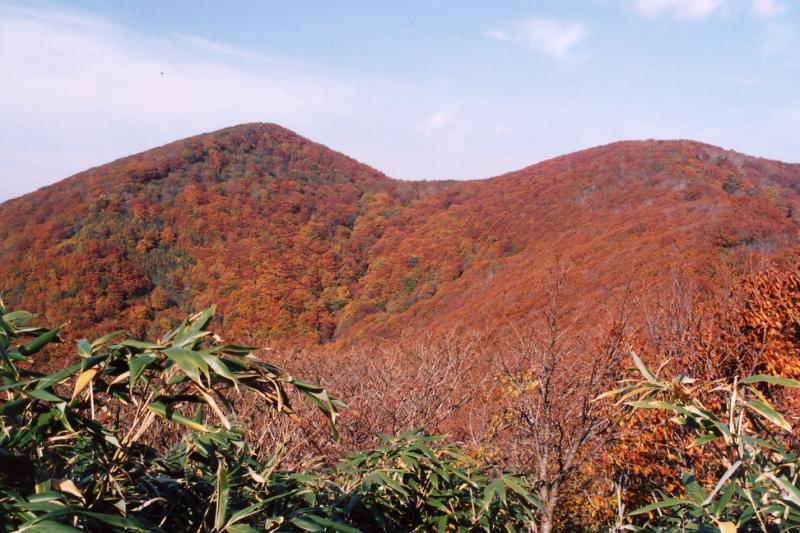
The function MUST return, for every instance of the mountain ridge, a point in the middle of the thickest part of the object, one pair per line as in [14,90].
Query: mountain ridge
[277,127]
[316,247]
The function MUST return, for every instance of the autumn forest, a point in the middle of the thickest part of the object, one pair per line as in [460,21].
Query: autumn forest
[247,331]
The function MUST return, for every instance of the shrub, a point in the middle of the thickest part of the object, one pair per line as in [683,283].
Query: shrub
[744,438]
[84,448]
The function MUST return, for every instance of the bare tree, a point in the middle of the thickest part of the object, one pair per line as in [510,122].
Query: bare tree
[420,382]
[423,381]
[552,370]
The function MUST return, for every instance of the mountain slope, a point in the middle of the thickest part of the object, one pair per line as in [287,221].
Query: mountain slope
[309,245]
[620,214]
[273,226]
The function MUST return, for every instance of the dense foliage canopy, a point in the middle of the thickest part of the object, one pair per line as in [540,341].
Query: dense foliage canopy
[298,243]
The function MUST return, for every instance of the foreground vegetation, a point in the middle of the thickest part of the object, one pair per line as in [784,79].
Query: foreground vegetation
[77,448]
[187,433]
[753,478]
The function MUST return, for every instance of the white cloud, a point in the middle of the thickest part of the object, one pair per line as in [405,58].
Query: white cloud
[685,9]
[766,9]
[554,38]
[436,121]
[549,36]
[498,35]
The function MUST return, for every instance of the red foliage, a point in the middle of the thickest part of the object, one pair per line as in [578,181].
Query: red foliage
[313,246]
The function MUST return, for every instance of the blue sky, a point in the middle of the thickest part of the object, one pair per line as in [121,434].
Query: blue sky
[418,89]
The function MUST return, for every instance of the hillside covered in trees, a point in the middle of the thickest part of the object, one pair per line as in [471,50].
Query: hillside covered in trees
[606,341]
[300,245]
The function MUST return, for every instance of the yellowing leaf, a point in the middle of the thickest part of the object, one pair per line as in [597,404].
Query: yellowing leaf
[67,486]
[727,527]
[84,379]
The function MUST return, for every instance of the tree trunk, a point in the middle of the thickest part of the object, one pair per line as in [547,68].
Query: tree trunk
[547,524]
[549,498]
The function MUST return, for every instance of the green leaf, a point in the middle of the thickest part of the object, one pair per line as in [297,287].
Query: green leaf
[394,485]
[616,392]
[124,523]
[190,362]
[495,488]
[250,510]
[514,485]
[222,492]
[189,339]
[725,477]
[141,345]
[234,349]
[657,404]
[164,411]
[91,362]
[307,525]
[201,320]
[719,506]
[336,526]
[662,504]
[694,491]
[41,394]
[104,339]
[768,412]
[442,524]
[216,364]
[137,365]
[791,490]
[47,526]
[39,342]
[20,317]
[643,369]
[45,495]
[774,380]
[705,439]
[84,348]
[58,377]
[14,408]
[242,528]
[319,397]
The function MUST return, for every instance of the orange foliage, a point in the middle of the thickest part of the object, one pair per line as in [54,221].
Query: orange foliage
[752,330]
[314,247]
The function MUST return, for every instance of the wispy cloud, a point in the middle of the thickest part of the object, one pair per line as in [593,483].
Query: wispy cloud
[79,91]
[498,35]
[767,9]
[437,121]
[684,9]
[213,47]
[552,37]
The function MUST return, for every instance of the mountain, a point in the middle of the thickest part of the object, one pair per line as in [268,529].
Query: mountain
[298,243]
